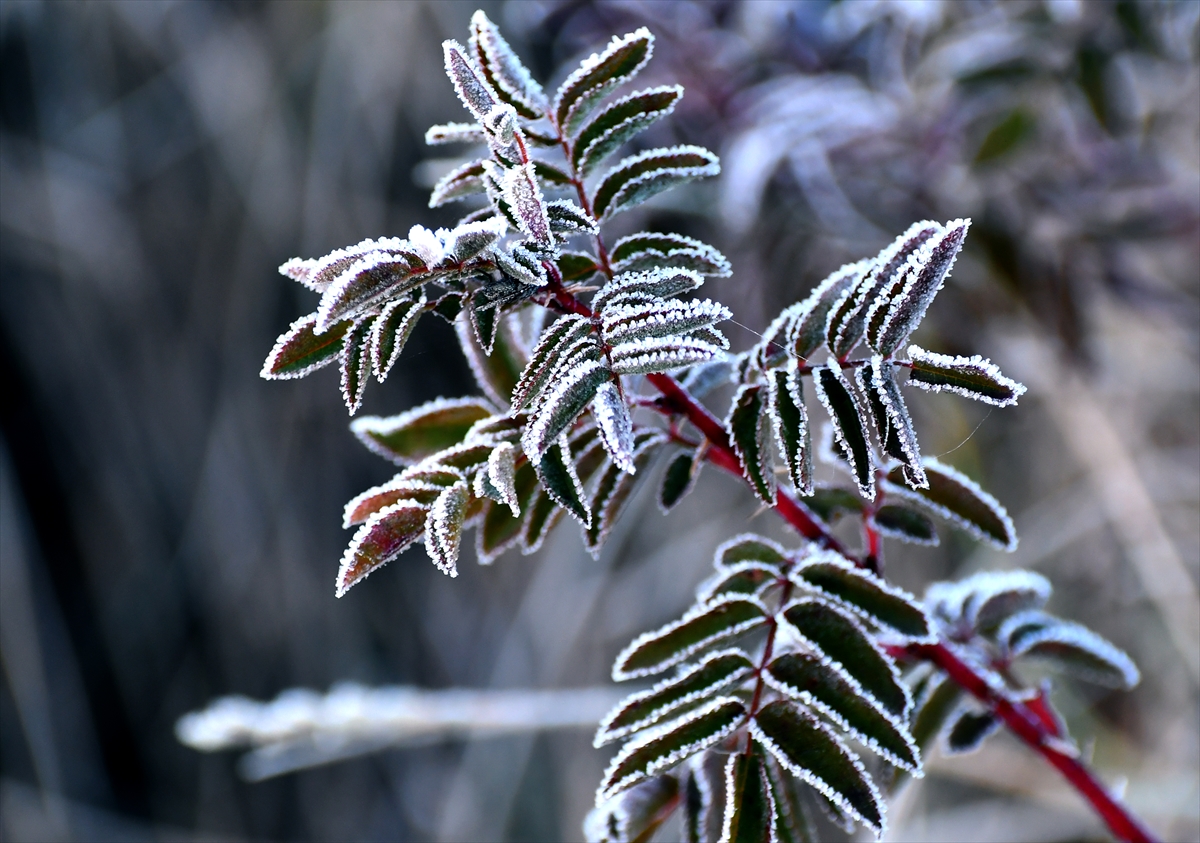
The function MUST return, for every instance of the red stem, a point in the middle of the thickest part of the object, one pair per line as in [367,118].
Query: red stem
[1022,720]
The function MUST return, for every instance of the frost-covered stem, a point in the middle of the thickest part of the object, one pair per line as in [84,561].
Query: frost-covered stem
[1026,725]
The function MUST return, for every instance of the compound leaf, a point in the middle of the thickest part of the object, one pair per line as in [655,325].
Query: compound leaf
[399,488]
[742,578]
[551,345]
[893,424]
[634,815]
[445,133]
[807,319]
[461,182]
[556,471]
[678,480]
[567,217]
[661,354]
[654,652]
[500,528]
[649,250]
[969,730]
[646,286]
[749,548]
[476,94]
[994,596]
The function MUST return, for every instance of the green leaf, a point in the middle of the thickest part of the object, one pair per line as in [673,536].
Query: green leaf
[808,318]
[809,750]
[422,431]
[705,625]
[666,746]
[749,428]
[496,373]
[750,812]
[599,74]
[391,331]
[615,425]
[690,687]
[576,266]
[444,526]
[546,355]
[660,318]
[742,578]
[386,535]
[835,634]
[678,480]
[906,524]
[994,596]
[568,218]
[1016,127]
[614,488]
[699,804]
[650,250]
[863,593]
[969,730]
[502,69]
[937,703]
[662,354]
[749,548]
[635,815]
[954,496]
[461,182]
[300,350]
[975,377]
[556,471]
[1078,650]
[789,417]
[893,424]
[372,279]
[930,266]
[449,306]
[831,502]
[484,317]
[647,286]
[823,687]
[792,823]
[638,177]
[562,405]
[501,529]
[847,416]
[356,364]
[619,122]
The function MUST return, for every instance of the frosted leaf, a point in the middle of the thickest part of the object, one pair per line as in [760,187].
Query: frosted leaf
[365,284]
[969,728]
[1078,650]
[650,285]
[905,523]
[567,217]
[599,74]
[635,814]
[467,241]
[750,809]
[300,350]
[749,427]
[520,265]
[890,275]
[836,635]
[444,526]
[475,93]
[621,323]
[445,133]
[702,379]
[399,488]
[501,473]
[391,331]
[742,578]
[812,752]
[789,418]
[992,596]
[422,431]
[578,347]
[838,580]
[808,320]
[356,364]
[938,700]
[619,122]
[499,529]
[661,354]
[300,269]
[386,535]
[959,499]
[691,686]
[495,373]
[666,746]
[648,250]
[461,182]
[748,547]
[793,824]
[555,340]
[975,377]
[893,424]
[847,416]
[703,625]
[927,271]
[562,405]
[615,425]
[524,196]
[562,483]
[318,273]
[679,479]
[638,177]
[613,489]
[837,695]
[503,70]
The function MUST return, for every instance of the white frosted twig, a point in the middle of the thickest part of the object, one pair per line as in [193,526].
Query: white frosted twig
[303,728]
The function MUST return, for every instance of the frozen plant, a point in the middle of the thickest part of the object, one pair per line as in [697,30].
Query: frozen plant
[800,681]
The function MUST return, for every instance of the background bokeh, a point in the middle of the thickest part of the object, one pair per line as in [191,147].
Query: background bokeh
[171,522]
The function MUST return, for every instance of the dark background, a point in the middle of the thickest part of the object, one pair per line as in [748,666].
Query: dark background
[171,521]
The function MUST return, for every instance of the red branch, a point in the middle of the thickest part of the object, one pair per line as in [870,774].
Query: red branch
[1021,718]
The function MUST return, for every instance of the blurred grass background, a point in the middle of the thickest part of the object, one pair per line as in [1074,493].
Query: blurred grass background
[171,522]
